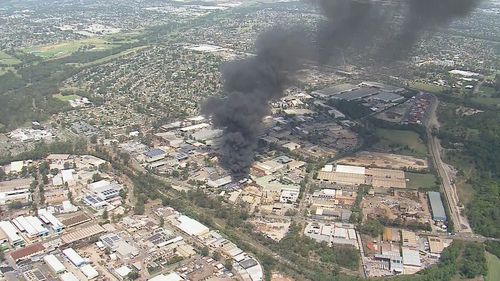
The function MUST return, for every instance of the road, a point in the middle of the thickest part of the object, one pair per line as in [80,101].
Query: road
[447,185]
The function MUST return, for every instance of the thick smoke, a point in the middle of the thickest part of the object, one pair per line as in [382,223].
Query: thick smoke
[391,28]
[249,86]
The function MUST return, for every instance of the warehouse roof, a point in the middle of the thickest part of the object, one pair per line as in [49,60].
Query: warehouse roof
[82,233]
[68,276]
[170,277]
[191,226]
[73,256]
[155,152]
[54,263]
[411,257]
[438,212]
[27,252]
[351,169]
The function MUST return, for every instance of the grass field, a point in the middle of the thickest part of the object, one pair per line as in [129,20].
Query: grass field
[67,48]
[493,267]
[112,57]
[487,101]
[421,181]
[66,98]
[425,87]
[487,91]
[401,141]
[8,60]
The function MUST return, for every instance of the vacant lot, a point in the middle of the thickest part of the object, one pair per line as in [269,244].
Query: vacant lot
[493,267]
[487,101]
[8,60]
[425,87]
[421,181]
[401,141]
[66,98]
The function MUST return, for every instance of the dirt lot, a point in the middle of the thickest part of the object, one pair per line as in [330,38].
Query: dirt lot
[386,160]
[409,206]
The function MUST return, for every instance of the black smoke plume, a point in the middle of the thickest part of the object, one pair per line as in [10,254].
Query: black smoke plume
[391,27]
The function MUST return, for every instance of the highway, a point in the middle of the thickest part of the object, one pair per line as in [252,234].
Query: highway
[448,187]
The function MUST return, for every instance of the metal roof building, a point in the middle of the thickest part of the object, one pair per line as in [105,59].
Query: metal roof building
[437,207]
[191,226]
[68,276]
[11,232]
[170,277]
[74,257]
[350,169]
[54,264]
[49,218]
[411,257]
[89,271]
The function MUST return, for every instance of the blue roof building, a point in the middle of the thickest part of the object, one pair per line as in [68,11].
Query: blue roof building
[437,207]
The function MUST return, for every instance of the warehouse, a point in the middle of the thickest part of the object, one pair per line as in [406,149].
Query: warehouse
[170,277]
[89,271]
[74,257]
[68,276]
[54,264]
[27,252]
[191,226]
[411,257]
[82,235]
[48,218]
[31,225]
[438,212]
[12,234]
[334,90]
[15,190]
[356,94]
[155,155]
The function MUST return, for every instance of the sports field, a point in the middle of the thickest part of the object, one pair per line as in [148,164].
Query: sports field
[67,48]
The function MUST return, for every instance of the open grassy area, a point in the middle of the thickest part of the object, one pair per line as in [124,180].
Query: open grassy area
[8,60]
[493,267]
[67,48]
[426,87]
[487,101]
[66,98]
[421,181]
[401,141]
[112,57]
[487,91]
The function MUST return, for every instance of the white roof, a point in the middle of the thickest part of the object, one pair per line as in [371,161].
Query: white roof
[44,214]
[54,263]
[98,184]
[255,273]
[170,277]
[411,257]
[340,232]
[89,271]
[191,226]
[73,256]
[327,168]
[123,271]
[350,169]
[16,166]
[195,127]
[68,175]
[220,182]
[68,276]
[10,231]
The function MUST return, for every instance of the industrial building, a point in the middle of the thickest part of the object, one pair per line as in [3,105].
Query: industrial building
[437,207]
[357,175]
[169,277]
[12,234]
[51,220]
[68,276]
[30,225]
[15,190]
[54,264]
[89,271]
[191,227]
[411,257]
[74,257]
[155,154]
[27,252]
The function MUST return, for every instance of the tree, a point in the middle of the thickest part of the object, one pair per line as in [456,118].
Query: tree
[15,205]
[162,222]
[205,251]
[105,214]
[228,264]
[123,193]
[133,275]
[139,208]
[96,177]
[217,256]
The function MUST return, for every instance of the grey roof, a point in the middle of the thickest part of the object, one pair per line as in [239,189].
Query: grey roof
[155,152]
[356,94]
[438,212]
[337,89]
[387,97]
[248,263]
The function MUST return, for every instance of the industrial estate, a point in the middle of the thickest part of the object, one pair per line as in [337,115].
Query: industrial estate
[110,168]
